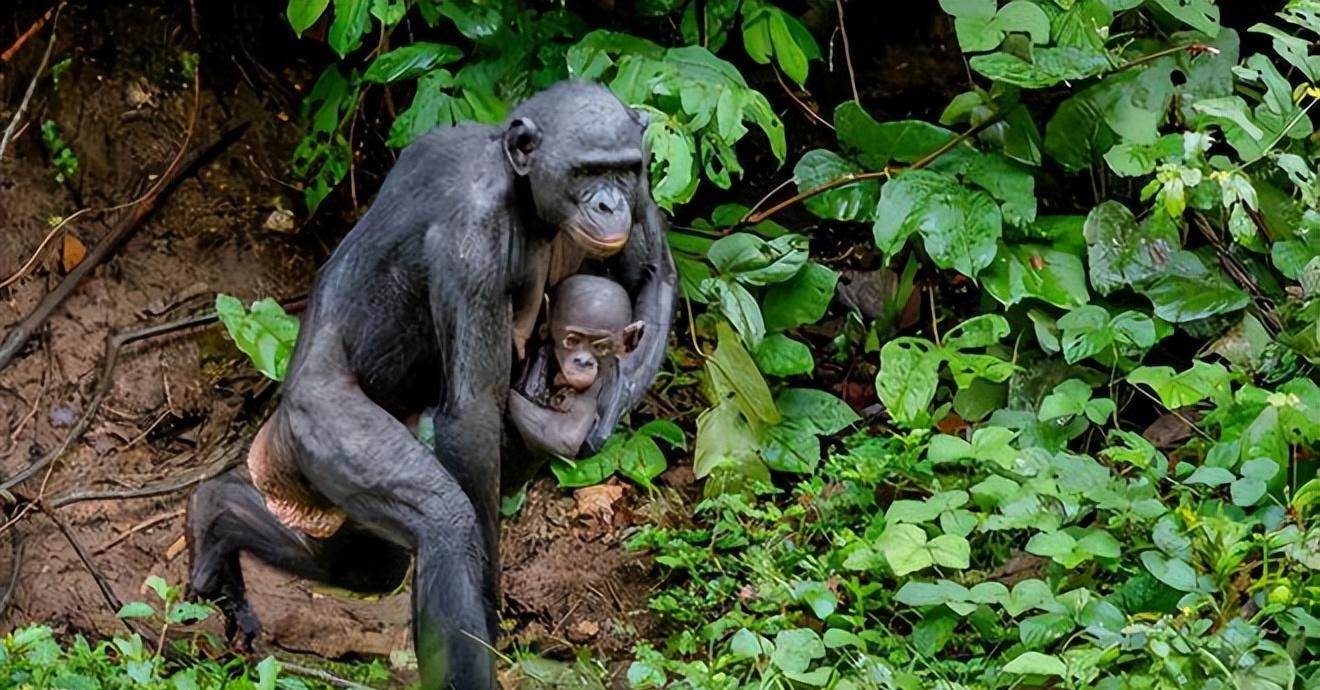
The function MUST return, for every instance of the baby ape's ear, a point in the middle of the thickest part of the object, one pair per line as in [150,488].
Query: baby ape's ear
[520,140]
[632,335]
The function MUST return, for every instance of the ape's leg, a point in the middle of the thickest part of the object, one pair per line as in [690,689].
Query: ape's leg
[227,516]
[368,464]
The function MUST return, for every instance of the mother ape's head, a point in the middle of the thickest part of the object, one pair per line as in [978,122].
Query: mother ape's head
[581,150]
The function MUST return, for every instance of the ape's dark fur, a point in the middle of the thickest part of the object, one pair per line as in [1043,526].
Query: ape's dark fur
[415,308]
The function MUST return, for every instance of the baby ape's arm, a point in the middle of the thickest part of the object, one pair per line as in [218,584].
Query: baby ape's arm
[646,269]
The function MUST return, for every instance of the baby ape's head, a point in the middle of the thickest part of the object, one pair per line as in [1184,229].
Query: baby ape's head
[590,322]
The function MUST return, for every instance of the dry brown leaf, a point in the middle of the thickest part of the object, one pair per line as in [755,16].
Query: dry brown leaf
[74,252]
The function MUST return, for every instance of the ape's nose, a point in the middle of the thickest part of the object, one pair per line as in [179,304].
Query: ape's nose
[585,361]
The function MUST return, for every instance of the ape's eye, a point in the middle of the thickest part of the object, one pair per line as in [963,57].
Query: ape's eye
[572,341]
[603,347]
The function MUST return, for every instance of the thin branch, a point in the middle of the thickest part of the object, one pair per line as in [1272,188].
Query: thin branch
[18,44]
[847,53]
[32,86]
[321,675]
[792,96]
[1195,48]
[111,600]
[753,217]
[227,457]
[16,564]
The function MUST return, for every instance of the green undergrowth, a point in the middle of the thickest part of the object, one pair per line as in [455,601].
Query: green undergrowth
[33,658]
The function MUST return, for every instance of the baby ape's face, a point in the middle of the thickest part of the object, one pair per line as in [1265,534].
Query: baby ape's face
[581,350]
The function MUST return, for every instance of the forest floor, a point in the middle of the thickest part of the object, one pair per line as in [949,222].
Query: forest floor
[178,402]
[186,404]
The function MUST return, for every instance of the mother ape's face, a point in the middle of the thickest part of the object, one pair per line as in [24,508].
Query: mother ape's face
[586,180]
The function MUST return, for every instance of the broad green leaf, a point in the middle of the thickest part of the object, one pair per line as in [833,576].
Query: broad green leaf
[795,650]
[1068,399]
[1077,134]
[977,332]
[1043,629]
[746,644]
[733,373]
[950,551]
[136,609]
[1173,572]
[352,20]
[852,202]
[880,144]
[915,593]
[1202,15]
[1189,291]
[1036,271]
[905,549]
[268,672]
[780,355]
[901,201]
[739,307]
[755,261]
[266,334]
[1051,544]
[723,439]
[409,62]
[1036,664]
[1182,389]
[1120,252]
[642,460]
[588,471]
[909,372]
[303,14]
[1009,183]
[1050,66]
[818,411]
[800,300]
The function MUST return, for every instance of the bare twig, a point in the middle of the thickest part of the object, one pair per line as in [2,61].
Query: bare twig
[145,524]
[752,216]
[18,44]
[847,53]
[321,675]
[224,458]
[805,108]
[111,600]
[16,564]
[32,86]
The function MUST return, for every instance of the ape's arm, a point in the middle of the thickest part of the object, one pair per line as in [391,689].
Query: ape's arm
[646,269]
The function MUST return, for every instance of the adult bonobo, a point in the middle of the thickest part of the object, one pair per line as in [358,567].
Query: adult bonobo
[417,308]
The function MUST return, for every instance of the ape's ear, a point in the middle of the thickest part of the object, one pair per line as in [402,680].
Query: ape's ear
[642,117]
[632,335]
[520,140]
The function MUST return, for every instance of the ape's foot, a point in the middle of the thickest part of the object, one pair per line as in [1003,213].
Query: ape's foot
[241,625]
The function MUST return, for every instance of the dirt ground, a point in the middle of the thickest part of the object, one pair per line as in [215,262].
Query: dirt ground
[123,105]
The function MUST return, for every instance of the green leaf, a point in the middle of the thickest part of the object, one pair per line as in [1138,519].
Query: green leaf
[739,307]
[816,410]
[796,649]
[931,593]
[1036,271]
[780,355]
[800,300]
[1189,291]
[879,144]
[746,644]
[352,20]
[136,609]
[266,334]
[733,373]
[1051,544]
[303,14]
[852,202]
[642,460]
[1068,399]
[961,227]
[409,62]
[951,551]
[754,261]
[1036,664]
[587,471]
[977,332]
[909,372]
[1202,15]
[1049,66]
[1177,390]
[1120,252]
[187,612]
[1173,572]
[724,439]
[905,549]
[268,672]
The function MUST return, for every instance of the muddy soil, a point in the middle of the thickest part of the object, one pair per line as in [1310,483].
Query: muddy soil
[123,103]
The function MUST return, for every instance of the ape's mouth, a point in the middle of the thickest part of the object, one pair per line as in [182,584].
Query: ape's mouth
[596,243]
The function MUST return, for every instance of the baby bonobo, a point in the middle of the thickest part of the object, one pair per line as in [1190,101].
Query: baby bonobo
[590,327]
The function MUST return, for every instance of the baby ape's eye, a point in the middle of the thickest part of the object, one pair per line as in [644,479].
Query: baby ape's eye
[572,341]
[603,347]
